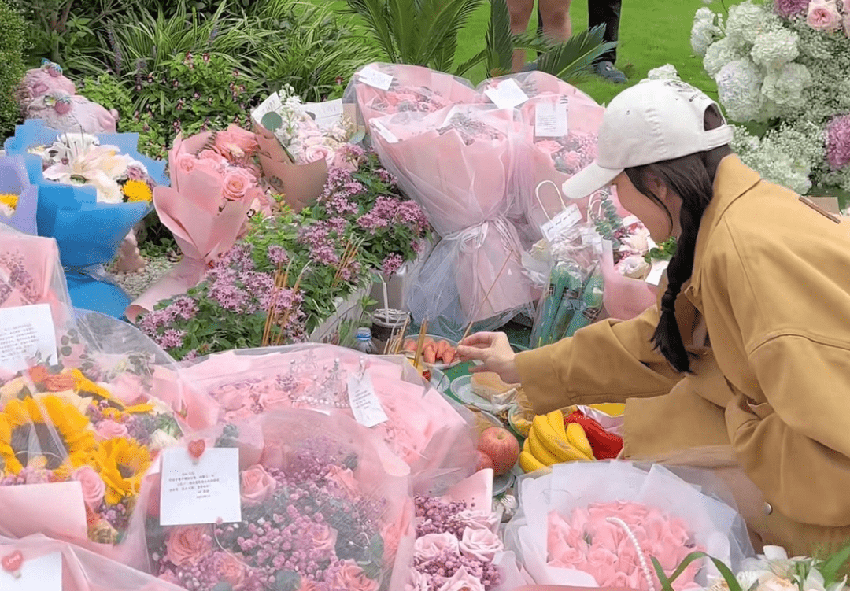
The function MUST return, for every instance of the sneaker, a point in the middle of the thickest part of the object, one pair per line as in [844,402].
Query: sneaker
[606,69]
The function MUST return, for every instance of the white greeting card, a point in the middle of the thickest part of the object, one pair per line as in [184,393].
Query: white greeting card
[550,119]
[364,401]
[36,574]
[26,332]
[374,78]
[507,94]
[202,490]
[326,114]
[562,222]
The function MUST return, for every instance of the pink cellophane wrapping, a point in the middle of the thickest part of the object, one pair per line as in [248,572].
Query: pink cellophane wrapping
[83,570]
[30,273]
[413,88]
[430,436]
[205,224]
[78,115]
[463,165]
[624,297]
[271,440]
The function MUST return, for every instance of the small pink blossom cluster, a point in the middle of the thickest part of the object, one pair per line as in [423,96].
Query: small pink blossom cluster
[306,525]
[16,279]
[454,548]
[593,541]
[838,142]
[410,99]
[790,8]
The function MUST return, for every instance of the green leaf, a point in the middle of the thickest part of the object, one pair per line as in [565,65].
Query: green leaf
[575,56]
[833,565]
[271,121]
[500,44]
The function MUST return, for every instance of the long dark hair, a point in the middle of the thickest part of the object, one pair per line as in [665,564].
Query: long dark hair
[690,177]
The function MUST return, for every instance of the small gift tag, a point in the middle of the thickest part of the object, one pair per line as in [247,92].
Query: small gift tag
[374,78]
[26,332]
[325,114]
[203,489]
[550,119]
[364,402]
[507,94]
[35,574]
[654,276]
[562,222]
[388,136]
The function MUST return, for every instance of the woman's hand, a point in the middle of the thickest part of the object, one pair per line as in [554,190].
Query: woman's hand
[494,350]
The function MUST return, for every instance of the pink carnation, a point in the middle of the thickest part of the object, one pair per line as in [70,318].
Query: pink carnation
[838,142]
[823,16]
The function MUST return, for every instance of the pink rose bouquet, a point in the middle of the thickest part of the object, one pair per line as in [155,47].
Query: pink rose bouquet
[214,185]
[301,528]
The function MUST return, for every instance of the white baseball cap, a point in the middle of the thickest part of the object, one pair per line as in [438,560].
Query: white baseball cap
[653,121]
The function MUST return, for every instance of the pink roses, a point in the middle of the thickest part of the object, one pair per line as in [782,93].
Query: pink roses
[592,540]
[188,544]
[93,485]
[823,16]
[237,182]
[351,577]
[257,485]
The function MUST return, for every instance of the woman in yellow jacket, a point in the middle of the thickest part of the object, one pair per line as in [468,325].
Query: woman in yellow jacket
[744,366]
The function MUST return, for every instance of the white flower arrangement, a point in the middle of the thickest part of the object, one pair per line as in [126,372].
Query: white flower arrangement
[782,65]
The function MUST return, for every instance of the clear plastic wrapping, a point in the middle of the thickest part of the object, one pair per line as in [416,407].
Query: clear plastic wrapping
[317,504]
[474,272]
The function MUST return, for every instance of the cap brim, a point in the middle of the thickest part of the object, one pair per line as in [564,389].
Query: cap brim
[586,181]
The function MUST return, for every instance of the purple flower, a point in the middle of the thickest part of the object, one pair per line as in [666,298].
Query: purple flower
[790,8]
[171,339]
[838,142]
[392,264]
[277,255]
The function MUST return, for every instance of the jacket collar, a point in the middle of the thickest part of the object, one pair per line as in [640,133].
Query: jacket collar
[732,180]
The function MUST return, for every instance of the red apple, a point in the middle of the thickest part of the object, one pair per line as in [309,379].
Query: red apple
[484,461]
[501,446]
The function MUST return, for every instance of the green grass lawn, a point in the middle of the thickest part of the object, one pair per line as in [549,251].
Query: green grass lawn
[652,33]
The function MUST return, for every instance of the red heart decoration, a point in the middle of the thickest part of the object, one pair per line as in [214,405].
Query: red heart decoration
[196,448]
[12,563]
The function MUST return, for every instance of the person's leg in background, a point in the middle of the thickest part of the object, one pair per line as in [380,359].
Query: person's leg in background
[520,11]
[555,15]
[606,12]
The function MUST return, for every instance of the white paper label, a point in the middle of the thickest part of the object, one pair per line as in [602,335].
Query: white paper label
[550,119]
[36,574]
[326,114]
[562,222]
[374,78]
[272,104]
[26,332]
[507,94]
[205,490]
[388,136]
[364,402]
[657,271]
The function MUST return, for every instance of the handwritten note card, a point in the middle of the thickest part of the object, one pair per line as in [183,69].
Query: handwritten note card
[373,77]
[326,114]
[36,574]
[364,401]
[507,94]
[562,222]
[550,119]
[205,490]
[26,332]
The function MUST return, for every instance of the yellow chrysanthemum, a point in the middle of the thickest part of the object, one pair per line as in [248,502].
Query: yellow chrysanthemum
[62,432]
[9,200]
[137,191]
[122,463]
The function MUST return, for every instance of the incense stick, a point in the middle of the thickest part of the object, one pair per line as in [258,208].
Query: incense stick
[422,332]
[486,297]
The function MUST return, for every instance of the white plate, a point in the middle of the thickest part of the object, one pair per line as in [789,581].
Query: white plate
[462,389]
[505,481]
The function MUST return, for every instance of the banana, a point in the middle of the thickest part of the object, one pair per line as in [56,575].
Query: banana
[539,451]
[560,448]
[529,463]
[578,439]
[556,419]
